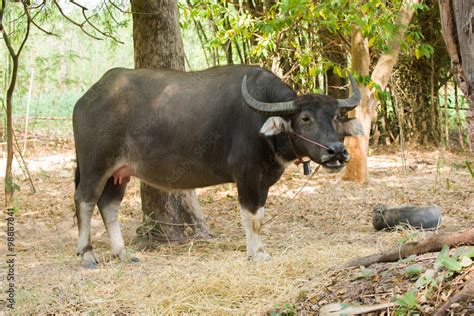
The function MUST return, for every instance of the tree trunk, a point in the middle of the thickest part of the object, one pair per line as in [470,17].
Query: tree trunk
[167,216]
[457,26]
[358,146]
[15,57]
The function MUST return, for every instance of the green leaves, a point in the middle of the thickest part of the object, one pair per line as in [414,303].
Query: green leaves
[414,269]
[468,166]
[407,301]
[450,264]
[11,185]
[455,263]
[430,280]
[291,36]
[424,50]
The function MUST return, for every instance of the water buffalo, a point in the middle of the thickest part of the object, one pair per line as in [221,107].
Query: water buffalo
[184,130]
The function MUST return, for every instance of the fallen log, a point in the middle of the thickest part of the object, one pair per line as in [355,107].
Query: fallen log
[433,243]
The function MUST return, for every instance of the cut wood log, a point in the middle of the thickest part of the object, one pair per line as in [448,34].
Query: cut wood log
[433,243]
[425,217]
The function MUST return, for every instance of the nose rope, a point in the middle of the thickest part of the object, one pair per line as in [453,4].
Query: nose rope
[310,141]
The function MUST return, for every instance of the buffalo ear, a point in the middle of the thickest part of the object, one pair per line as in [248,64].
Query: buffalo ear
[349,127]
[275,125]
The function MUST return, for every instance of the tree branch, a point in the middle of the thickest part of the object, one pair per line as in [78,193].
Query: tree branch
[28,26]
[343,38]
[80,25]
[383,68]
[110,13]
[6,37]
[79,5]
[106,34]
[40,6]
[117,7]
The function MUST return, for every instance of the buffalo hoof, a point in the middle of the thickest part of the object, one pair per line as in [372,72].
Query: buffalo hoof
[425,217]
[90,265]
[260,257]
[89,260]
[127,256]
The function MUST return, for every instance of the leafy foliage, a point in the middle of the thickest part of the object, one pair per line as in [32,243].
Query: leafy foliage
[428,283]
[287,36]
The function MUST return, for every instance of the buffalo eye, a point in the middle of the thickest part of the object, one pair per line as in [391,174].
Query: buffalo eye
[342,118]
[305,119]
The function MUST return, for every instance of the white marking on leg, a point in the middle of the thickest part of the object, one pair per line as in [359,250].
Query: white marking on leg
[253,226]
[112,225]
[84,222]
[84,246]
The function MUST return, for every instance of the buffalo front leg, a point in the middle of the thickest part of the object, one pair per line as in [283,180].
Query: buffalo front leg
[253,222]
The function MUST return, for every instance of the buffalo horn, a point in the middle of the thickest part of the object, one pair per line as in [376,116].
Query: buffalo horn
[351,102]
[278,108]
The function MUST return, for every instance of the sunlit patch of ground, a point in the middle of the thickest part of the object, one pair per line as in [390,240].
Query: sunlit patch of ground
[328,224]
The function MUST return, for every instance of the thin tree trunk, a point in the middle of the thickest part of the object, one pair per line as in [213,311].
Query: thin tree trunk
[446,116]
[239,53]
[337,55]
[168,216]
[435,117]
[201,34]
[5,78]
[463,12]
[27,116]
[9,187]
[227,46]
[358,146]
[458,117]
[456,22]
[15,56]
[401,122]
[384,129]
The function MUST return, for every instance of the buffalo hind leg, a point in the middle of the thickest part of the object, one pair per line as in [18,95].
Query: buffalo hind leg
[86,196]
[109,204]
[253,223]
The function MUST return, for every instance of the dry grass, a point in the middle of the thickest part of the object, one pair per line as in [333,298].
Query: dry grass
[327,225]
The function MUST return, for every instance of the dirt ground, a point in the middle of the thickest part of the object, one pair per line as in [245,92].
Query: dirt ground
[327,225]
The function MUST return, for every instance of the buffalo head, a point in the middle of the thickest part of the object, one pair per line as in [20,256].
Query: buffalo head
[315,124]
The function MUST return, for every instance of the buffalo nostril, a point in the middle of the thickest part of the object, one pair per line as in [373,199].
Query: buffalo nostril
[336,149]
[345,155]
